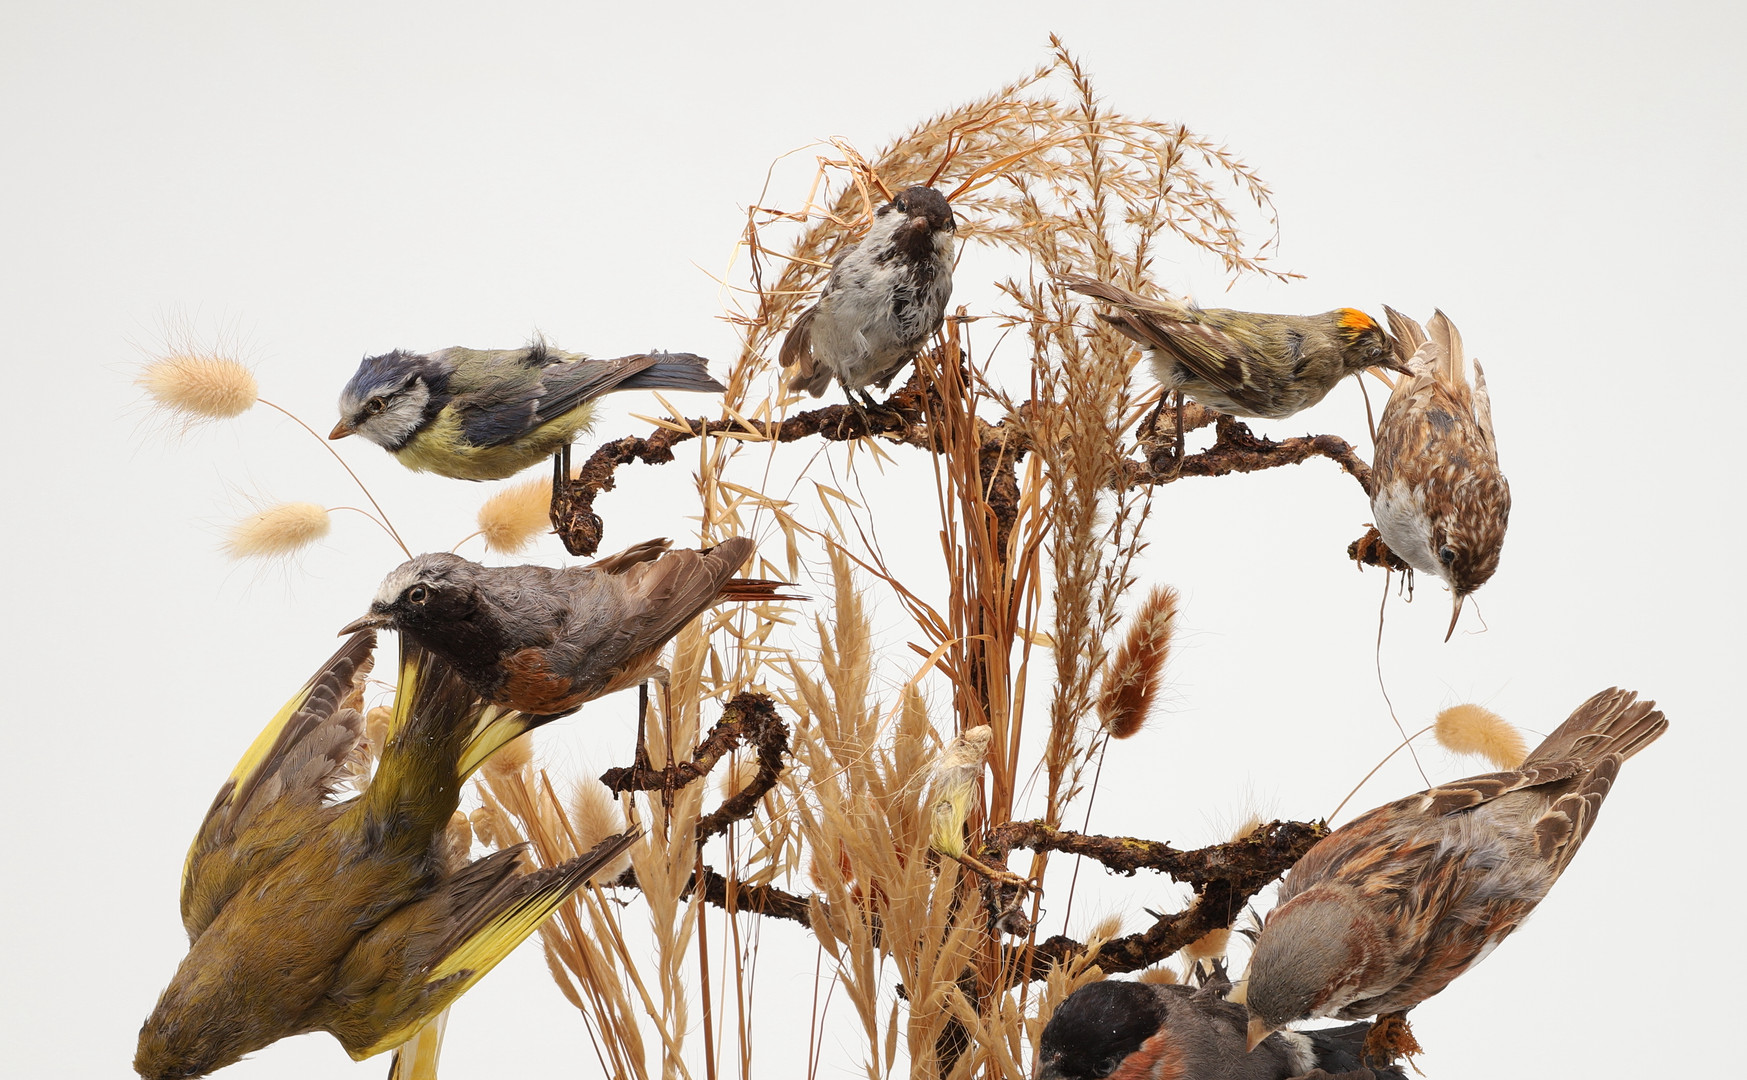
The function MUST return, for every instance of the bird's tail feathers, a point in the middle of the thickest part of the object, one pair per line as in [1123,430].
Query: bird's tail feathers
[756,590]
[416,1059]
[503,917]
[1612,722]
[1165,306]
[622,561]
[1405,336]
[672,371]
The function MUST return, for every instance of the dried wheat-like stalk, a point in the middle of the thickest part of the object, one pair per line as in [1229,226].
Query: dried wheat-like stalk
[1038,533]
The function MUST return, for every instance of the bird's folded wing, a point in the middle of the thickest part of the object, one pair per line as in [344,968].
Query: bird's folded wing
[280,786]
[491,910]
[1166,326]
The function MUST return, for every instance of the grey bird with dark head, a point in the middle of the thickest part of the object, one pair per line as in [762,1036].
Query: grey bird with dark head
[884,297]
[1152,1031]
[545,641]
[485,414]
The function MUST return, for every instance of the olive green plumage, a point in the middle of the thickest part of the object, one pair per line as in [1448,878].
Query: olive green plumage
[309,915]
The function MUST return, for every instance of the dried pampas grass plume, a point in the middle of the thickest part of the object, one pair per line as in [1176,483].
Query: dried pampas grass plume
[515,515]
[1473,729]
[193,386]
[1132,678]
[277,531]
[1162,975]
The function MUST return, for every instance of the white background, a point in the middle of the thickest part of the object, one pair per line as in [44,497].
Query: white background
[332,180]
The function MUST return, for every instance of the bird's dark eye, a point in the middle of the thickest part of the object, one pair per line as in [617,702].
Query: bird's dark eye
[375,405]
[1106,1067]
[418,594]
[1447,554]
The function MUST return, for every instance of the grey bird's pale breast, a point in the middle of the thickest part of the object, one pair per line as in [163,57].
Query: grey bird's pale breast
[879,311]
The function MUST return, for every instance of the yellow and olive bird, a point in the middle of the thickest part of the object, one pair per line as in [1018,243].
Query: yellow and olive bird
[307,914]
[485,414]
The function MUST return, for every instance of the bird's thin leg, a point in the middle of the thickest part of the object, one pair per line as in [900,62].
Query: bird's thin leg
[1177,468]
[860,409]
[640,760]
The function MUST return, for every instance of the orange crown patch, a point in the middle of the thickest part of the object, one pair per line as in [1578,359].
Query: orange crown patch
[1356,321]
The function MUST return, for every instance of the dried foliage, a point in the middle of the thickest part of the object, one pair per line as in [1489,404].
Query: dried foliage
[838,819]
[1044,464]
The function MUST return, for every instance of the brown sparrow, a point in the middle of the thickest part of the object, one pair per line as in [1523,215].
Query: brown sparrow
[1386,910]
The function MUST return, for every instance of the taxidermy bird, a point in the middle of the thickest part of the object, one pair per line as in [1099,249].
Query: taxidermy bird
[1437,495]
[544,640]
[1241,362]
[1167,1031]
[484,414]
[307,914]
[1388,909]
[885,296]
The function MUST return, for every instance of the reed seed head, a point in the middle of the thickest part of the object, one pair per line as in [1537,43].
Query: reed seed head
[277,531]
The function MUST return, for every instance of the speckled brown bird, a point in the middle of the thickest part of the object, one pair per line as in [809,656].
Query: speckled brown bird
[1240,362]
[308,913]
[546,640]
[1437,496]
[883,299]
[1387,910]
[1122,1030]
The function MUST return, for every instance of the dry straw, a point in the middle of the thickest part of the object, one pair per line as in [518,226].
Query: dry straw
[1039,549]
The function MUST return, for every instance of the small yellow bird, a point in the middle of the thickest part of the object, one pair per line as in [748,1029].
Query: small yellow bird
[306,914]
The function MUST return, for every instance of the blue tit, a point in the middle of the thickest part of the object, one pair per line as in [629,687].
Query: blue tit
[484,414]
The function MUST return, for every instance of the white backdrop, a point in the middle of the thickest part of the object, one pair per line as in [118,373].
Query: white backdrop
[326,181]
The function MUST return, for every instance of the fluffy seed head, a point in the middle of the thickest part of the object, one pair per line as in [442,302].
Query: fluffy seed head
[593,813]
[512,518]
[1157,975]
[1135,673]
[277,530]
[510,759]
[1472,729]
[457,841]
[196,386]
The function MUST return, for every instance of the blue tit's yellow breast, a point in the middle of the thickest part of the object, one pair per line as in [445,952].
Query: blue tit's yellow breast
[442,447]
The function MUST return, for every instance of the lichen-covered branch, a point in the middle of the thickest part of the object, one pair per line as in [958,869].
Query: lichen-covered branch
[1225,877]
[748,717]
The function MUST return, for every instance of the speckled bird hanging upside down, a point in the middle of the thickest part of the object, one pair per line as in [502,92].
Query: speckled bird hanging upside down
[1437,495]
[1385,911]
[545,641]
[485,414]
[886,295]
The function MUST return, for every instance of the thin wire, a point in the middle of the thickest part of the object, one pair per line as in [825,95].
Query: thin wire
[386,524]
[1387,574]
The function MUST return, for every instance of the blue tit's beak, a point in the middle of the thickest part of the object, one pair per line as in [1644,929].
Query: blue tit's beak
[341,430]
[372,621]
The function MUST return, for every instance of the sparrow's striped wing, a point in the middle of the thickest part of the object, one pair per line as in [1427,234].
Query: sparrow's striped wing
[281,786]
